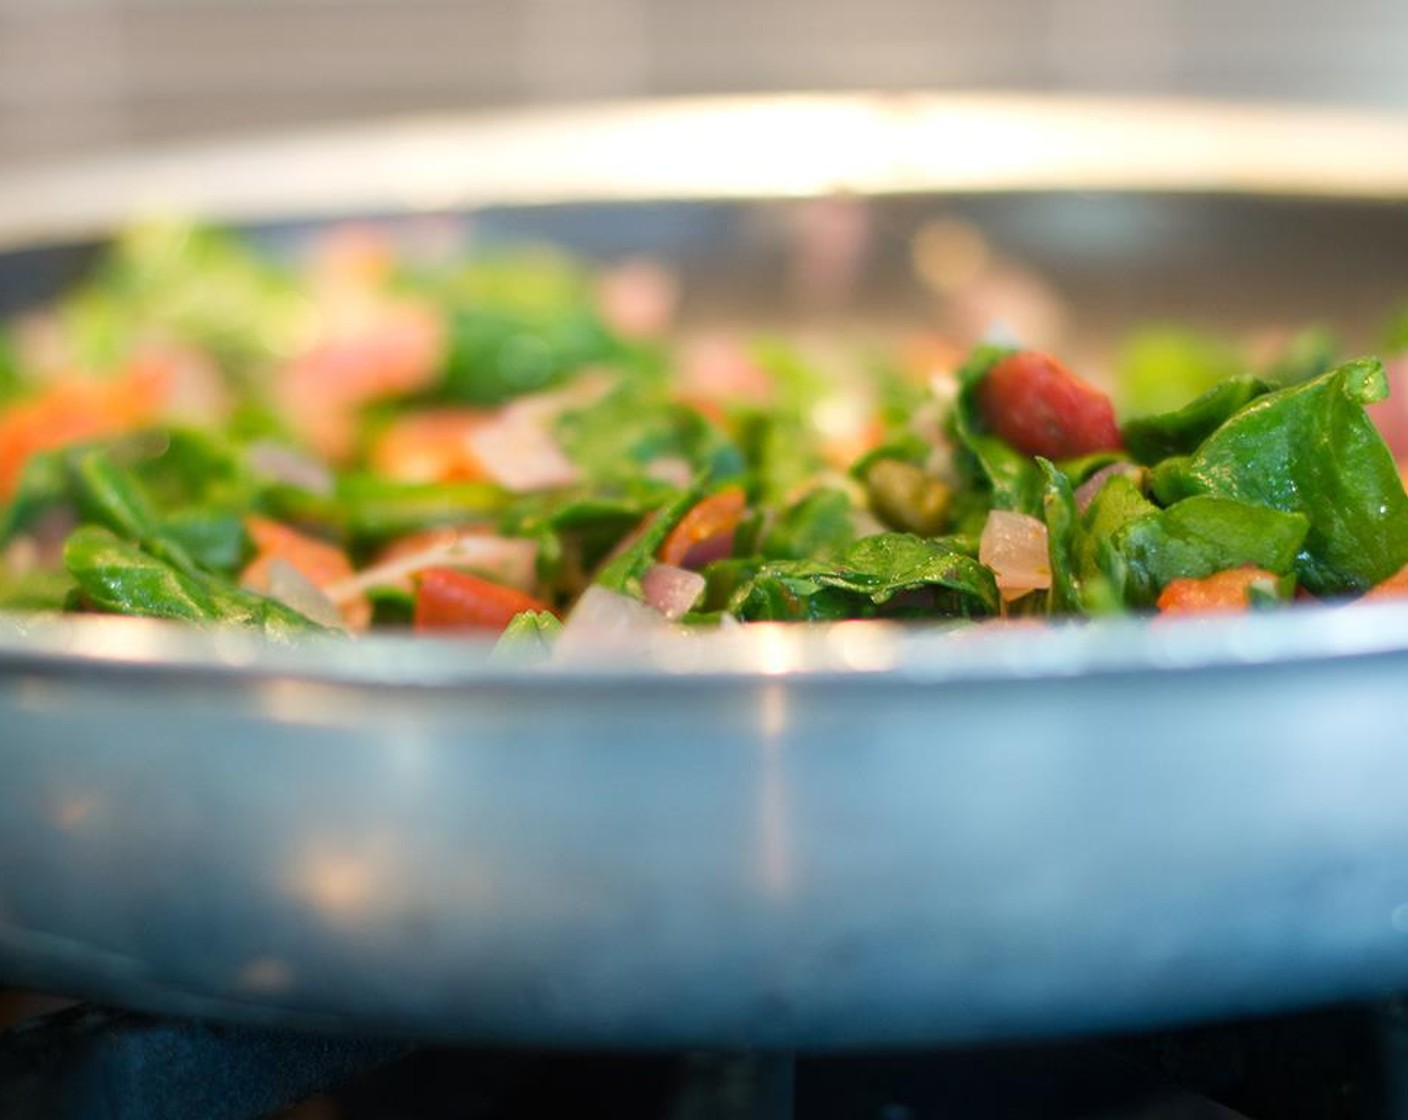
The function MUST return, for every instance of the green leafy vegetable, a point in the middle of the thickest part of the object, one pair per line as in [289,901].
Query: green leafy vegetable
[121,578]
[868,576]
[43,487]
[1153,438]
[528,638]
[1063,533]
[820,525]
[370,509]
[199,284]
[617,437]
[496,355]
[1312,450]
[623,572]
[1202,535]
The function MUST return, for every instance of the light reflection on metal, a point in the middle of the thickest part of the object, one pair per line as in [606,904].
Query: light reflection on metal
[120,639]
[774,824]
[299,702]
[265,976]
[74,812]
[769,146]
[774,652]
[863,648]
[342,886]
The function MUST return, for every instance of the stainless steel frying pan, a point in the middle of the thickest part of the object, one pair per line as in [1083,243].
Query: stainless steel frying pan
[782,837]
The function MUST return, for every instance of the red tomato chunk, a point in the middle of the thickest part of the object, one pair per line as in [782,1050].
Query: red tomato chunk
[1041,408]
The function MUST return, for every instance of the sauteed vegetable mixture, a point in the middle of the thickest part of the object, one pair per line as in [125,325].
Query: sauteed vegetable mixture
[516,445]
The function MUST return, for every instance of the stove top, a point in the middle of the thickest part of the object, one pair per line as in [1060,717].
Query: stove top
[98,1064]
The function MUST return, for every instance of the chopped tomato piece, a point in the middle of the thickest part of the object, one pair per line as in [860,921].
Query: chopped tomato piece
[451,600]
[1220,593]
[705,533]
[358,255]
[322,564]
[1041,408]
[77,409]
[387,351]
[1395,587]
[430,447]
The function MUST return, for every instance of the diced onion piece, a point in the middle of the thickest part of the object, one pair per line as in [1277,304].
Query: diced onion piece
[295,590]
[520,455]
[1086,491]
[321,563]
[1015,547]
[283,464]
[603,618]
[672,591]
[671,470]
[507,560]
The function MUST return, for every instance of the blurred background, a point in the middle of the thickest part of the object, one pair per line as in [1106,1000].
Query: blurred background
[79,76]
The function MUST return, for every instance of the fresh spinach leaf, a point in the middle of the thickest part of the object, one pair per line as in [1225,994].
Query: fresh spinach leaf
[820,525]
[1202,535]
[496,354]
[193,468]
[1310,449]
[1151,439]
[43,486]
[111,496]
[615,438]
[370,509]
[623,572]
[216,539]
[528,638]
[780,453]
[868,576]
[118,577]
[1063,532]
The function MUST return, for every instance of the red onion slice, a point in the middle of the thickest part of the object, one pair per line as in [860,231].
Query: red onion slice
[603,619]
[672,591]
[1015,547]
[1086,491]
[283,464]
[293,589]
